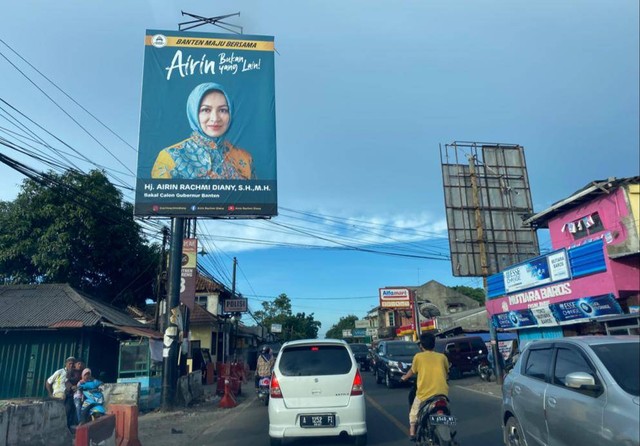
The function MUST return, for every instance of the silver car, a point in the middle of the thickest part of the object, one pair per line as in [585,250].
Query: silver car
[574,391]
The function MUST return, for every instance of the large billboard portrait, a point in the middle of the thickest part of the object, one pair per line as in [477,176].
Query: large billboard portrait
[207,126]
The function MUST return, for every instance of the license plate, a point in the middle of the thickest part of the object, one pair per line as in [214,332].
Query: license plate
[448,420]
[317,420]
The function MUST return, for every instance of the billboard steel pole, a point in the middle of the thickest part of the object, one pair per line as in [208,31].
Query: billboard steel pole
[483,262]
[170,347]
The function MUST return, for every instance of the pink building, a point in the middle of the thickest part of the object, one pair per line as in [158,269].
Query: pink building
[590,282]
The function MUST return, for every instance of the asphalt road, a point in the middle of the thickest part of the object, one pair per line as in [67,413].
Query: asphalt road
[478,416]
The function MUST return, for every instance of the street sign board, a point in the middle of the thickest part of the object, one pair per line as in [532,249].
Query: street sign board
[346,333]
[362,323]
[235,305]
[276,328]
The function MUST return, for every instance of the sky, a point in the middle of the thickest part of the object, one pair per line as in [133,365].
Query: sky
[366,92]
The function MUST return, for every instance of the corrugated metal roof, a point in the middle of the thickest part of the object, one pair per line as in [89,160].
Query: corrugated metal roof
[139,331]
[45,305]
[585,194]
[66,324]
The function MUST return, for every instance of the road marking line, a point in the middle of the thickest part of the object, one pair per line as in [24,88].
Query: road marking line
[390,417]
[478,391]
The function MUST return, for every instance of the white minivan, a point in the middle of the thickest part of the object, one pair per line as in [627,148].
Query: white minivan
[316,391]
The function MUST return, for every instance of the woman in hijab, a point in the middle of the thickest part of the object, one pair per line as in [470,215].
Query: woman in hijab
[205,154]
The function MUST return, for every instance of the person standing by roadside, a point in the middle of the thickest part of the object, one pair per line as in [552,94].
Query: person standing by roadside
[432,369]
[74,378]
[58,387]
[56,384]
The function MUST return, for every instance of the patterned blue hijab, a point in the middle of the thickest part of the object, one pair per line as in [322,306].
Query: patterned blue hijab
[193,108]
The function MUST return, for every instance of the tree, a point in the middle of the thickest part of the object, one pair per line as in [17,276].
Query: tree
[345,323]
[298,326]
[75,228]
[476,294]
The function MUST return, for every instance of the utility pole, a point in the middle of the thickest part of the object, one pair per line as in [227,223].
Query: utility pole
[162,277]
[233,296]
[170,343]
[416,316]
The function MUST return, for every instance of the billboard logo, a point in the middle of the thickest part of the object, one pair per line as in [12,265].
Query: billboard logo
[586,308]
[159,41]
[231,208]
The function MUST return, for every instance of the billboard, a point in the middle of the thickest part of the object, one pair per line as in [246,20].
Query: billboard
[536,272]
[207,143]
[395,298]
[561,313]
[486,194]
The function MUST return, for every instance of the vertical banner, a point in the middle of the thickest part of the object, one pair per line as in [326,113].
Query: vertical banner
[188,272]
[207,143]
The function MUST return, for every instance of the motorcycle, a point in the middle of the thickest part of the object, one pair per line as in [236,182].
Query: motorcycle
[263,389]
[93,401]
[482,367]
[435,423]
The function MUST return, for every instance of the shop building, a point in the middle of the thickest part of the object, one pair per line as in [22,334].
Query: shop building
[590,282]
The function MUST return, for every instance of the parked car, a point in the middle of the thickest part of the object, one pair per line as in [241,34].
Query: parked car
[574,391]
[316,391]
[460,351]
[362,355]
[392,360]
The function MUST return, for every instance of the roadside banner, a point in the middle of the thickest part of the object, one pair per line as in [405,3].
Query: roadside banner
[188,272]
[207,144]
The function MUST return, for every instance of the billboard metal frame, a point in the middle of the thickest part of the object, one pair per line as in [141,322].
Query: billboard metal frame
[486,200]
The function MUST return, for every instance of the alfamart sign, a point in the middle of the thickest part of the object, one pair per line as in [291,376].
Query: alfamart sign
[395,298]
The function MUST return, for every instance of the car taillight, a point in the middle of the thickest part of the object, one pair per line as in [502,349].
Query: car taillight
[274,390]
[357,388]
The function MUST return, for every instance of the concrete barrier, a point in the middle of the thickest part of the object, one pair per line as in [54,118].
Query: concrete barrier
[34,423]
[101,431]
[121,393]
[190,388]
[126,424]
[28,422]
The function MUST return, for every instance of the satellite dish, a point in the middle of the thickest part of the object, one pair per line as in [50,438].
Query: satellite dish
[429,310]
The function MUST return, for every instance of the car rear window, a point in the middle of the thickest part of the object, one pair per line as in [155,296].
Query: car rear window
[359,348]
[478,344]
[402,349]
[623,362]
[314,360]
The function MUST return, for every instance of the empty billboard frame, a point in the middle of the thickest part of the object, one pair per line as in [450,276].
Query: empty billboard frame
[487,195]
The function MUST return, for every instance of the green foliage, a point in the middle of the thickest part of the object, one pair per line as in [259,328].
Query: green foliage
[345,323]
[76,229]
[298,326]
[476,294]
